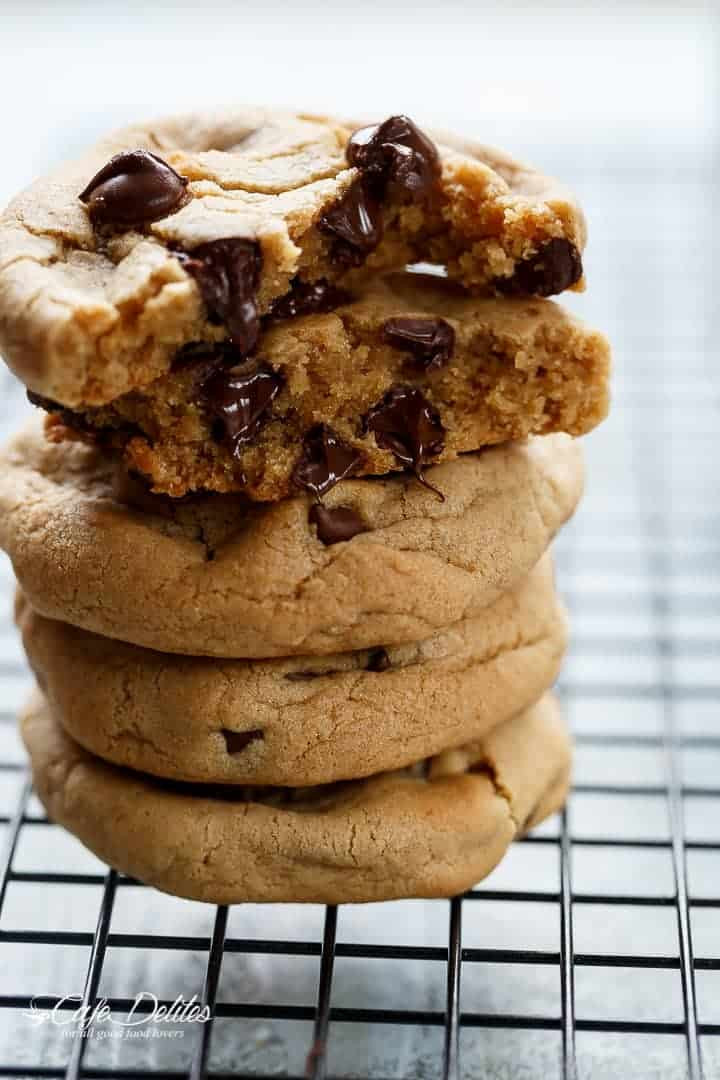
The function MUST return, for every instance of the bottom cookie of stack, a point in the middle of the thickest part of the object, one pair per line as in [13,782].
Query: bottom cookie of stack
[431,829]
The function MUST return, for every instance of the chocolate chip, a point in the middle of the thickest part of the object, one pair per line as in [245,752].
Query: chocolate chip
[237,741]
[378,660]
[227,273]
[325,460]
[405,423]
[337,524]
[355,223]
[308,298]
[206,355]
[554,268]
[430,341]
[132,189]
[396,151]
[239,399]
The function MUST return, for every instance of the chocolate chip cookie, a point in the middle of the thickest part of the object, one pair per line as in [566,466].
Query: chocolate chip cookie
[433,829]
[409,372]
[383,561]
[194,228]
[304,720]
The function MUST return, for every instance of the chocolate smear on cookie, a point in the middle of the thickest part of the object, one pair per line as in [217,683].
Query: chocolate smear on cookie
[405,423]
[308,298]
[335,524]
[325,461]
[355,223]
[239,400]
[227,273]
[134,188]
[396,151]
[554,268]
[429,340]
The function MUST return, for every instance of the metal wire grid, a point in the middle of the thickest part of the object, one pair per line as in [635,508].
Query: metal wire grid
[654,503]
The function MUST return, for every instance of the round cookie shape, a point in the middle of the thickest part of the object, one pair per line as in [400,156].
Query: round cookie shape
[93,305]
[215,576]
[432,830]
[304,720]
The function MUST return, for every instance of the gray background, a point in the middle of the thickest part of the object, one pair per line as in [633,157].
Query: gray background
[620,100]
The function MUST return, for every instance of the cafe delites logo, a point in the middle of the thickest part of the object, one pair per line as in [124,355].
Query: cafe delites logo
[147,1018]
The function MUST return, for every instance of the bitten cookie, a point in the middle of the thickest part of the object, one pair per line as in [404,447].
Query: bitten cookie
[307,720]
[193,227]
[384,561]
[433,829]
[408,371]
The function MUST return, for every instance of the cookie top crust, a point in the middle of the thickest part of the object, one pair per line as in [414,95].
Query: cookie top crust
[217,576]
[430,830]
[91,310]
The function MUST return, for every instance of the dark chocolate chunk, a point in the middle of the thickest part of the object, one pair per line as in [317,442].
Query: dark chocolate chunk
[430,340]
[337,524]
[227,273]
[237,741]
[378,660]
[132,189]
[554,268]
[308,298]
[355,223]
[405,423]
[206,354]
[396,151]
[325,461]
[239,399]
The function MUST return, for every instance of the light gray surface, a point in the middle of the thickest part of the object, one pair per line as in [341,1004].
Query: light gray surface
[640,567]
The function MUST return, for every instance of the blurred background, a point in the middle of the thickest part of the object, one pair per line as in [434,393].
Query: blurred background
[620,100]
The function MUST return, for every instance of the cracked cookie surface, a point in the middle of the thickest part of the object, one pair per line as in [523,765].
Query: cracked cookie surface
[217,576]
[306,720]
[490,369]
[89,312]
[434,829]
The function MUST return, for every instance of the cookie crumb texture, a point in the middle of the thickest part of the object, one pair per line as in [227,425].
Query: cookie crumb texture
[95,303]
[431,830]
[490,370]
[305,720]
[222,576]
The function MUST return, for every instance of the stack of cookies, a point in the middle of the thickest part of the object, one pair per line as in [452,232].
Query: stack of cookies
[281,523]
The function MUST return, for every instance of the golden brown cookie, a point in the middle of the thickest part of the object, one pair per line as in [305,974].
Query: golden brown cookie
[412,371]
[433,829]
[215,576]
[305,720]
[203,222]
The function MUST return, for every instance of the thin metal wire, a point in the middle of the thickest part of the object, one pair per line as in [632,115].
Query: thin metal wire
[316,1066]
[451,1049]
[209,993]
[92,979]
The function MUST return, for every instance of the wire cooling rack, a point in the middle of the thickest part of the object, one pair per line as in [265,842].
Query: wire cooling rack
[593,951]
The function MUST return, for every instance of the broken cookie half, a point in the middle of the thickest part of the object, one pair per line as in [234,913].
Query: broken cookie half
[194,228]
[408,372]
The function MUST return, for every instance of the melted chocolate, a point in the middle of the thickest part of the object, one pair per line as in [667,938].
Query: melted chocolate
[227,273]
[237,741]
[337,524]
[355,223]
[132,189]
[396,151]
[429,340]
[554,268]
[378,660]
[239,399]
[405,423]
[325,460]
[308,298]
